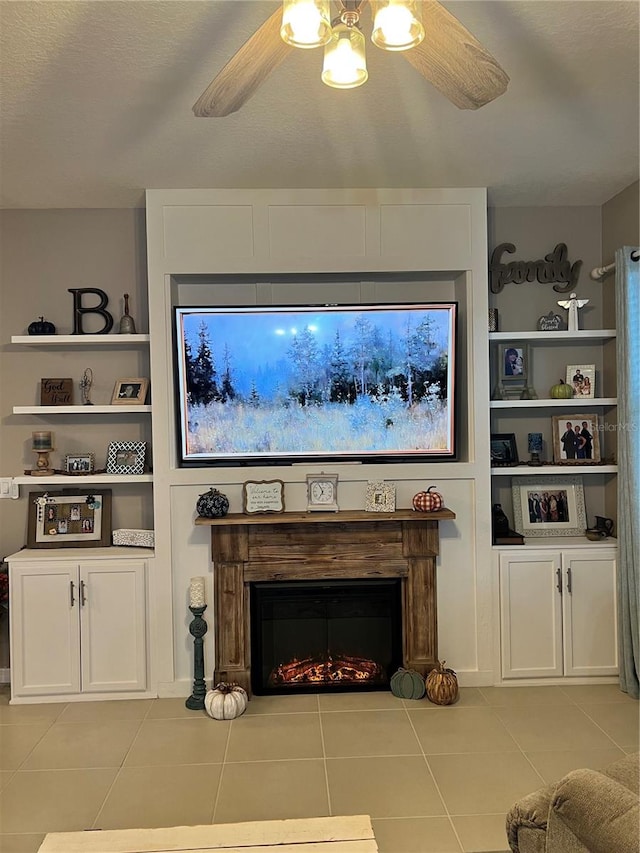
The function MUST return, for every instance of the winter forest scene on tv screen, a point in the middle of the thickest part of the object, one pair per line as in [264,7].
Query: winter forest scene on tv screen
[340,381]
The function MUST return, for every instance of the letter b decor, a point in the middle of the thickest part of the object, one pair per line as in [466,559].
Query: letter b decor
[100,308]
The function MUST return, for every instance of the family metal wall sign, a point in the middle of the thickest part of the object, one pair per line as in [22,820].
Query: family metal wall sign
[554,268]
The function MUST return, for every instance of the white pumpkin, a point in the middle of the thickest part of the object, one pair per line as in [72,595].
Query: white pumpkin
[226,701]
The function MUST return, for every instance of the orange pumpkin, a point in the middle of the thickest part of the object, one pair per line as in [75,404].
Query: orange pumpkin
[442,685]
[428,501]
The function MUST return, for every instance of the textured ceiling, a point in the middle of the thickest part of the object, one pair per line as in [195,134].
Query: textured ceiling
[97,96]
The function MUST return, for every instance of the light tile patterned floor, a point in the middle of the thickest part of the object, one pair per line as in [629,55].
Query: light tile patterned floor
[433,779]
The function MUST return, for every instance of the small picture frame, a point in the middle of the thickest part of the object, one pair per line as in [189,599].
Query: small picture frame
[548,506]
[69,519]
[513,363]
[582,378]
[380,497]
[504,451]
[126,457]
[79,463]
[260,496]
[130,392]
[576,439]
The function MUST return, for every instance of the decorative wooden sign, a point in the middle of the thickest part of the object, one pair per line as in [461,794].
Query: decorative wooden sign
[554,267]
[56,392]
[263,496]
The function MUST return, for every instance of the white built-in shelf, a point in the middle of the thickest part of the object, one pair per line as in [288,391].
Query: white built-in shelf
[82,482]
[535,470]
[571,402]
[80,340]
[558,337]
[559,543]
[81,410]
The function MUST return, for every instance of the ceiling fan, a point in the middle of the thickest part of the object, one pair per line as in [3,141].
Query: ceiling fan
[437,45]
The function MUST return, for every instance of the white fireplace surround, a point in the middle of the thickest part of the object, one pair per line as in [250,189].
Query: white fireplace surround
[204,247]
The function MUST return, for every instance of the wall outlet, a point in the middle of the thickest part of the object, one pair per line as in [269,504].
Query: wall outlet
[9,488]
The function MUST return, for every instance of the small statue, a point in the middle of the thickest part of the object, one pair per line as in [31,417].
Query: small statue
[85,386]
[127,325]
[572,304]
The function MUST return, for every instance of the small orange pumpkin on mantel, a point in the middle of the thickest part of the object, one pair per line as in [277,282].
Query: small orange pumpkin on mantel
[442,685]
[428,501]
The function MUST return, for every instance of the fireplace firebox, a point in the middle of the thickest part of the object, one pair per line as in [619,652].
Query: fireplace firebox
[310,636]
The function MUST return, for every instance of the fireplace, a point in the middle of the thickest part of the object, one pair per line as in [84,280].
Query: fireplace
[309,636]
[297,547]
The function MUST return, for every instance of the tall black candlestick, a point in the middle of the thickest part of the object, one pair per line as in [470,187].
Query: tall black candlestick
[197,629]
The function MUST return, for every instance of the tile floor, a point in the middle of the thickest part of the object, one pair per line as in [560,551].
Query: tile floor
[433,779]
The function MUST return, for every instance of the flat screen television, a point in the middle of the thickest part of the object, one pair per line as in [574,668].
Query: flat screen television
[288,384]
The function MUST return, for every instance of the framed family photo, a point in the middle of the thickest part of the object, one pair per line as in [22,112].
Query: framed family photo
[69,519]
[126,457]
[79,463]
[576,439]
[549,506]
[582,378]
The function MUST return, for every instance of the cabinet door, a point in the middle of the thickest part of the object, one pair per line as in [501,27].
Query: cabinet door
[589,603]
[530,615]
[113,626]
[45,631]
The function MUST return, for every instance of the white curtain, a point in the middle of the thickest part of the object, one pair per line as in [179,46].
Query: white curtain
[628,369]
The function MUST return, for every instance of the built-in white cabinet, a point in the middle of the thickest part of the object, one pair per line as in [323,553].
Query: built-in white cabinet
[558,612]
[78,625]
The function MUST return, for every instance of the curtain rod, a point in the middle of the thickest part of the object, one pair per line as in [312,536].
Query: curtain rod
[600,272]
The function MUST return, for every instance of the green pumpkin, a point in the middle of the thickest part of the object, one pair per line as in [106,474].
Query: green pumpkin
[561,391]
[407,684]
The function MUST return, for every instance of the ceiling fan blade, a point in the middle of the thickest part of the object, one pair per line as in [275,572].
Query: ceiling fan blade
[245,72]
[455,62]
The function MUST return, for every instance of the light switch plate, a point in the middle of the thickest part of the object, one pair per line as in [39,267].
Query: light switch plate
[9,488]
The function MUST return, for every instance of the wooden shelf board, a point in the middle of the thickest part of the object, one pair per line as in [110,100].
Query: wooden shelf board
[548,402]
[81,410]
[558,337]
[534,470]
[83,481]
[80,340]
[350,516]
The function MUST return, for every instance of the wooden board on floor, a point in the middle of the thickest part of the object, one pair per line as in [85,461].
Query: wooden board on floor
[352,834]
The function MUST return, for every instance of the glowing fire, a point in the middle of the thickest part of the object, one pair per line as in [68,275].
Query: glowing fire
[324,670]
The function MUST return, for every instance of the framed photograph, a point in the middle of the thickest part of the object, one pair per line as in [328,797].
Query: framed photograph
[130,392]
[69,519]
[79,463]
[380,497]
[549,506]
[504,450]
[262,496]
[126,457]
[513,363]
[576,439]
[582,378]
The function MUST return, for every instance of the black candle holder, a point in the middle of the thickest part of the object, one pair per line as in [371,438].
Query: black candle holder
[197,629]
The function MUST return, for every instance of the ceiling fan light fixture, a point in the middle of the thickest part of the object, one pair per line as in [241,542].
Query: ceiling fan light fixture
[396,25]
[306,23]
[345,63]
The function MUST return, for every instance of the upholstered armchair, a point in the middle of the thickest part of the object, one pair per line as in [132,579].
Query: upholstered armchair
[588,811]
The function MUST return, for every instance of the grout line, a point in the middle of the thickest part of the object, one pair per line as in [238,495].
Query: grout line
[324,759]
[435,783]
[118,772]
[224,763]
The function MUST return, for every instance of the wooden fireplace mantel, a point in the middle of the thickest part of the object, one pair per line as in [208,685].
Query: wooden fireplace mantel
[321,545]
